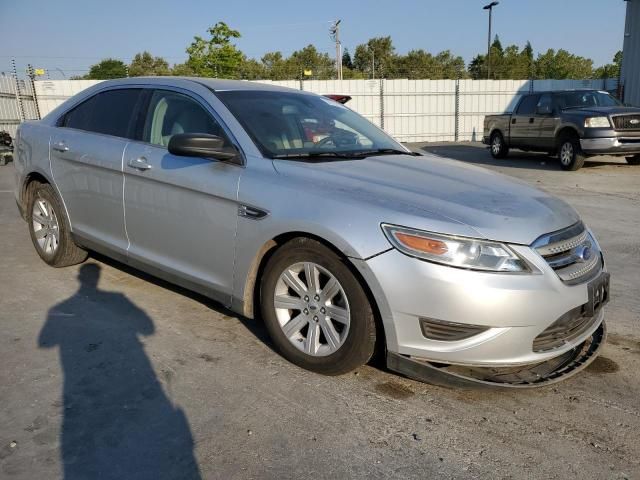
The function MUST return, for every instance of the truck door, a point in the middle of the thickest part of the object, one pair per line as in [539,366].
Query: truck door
[521,121]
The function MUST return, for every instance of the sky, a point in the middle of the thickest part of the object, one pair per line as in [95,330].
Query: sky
[70,35]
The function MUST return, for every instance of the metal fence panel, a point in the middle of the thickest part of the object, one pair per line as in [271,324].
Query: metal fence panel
[12,110]
[410,110]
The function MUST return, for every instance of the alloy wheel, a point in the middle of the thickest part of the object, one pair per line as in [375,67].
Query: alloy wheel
[566,153]
[312,309]
[45,226]
[496,145]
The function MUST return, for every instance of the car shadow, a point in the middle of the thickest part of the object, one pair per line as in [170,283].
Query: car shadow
[479,155]
[118,422]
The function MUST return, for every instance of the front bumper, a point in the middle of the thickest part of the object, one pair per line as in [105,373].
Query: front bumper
[515,308]
[611,145]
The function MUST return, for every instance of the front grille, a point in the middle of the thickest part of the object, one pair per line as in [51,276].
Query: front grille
[564,330]
[626,122]
[572,253]
[448,331]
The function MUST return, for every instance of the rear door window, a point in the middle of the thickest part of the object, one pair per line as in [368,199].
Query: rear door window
[108,113]
[528,105]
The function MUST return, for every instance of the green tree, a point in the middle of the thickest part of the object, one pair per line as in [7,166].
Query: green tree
[251,69]
[107,69]
[182,70]
[346,60]
[610,70]
[322,66]
[216,56]
[379,50]
[562,64]
[146,64]
[275,66]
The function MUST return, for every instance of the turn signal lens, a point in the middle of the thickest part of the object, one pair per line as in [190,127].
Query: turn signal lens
[461,252]
[427,245]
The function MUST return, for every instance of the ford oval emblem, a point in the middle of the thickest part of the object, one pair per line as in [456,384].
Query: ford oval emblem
[634,121]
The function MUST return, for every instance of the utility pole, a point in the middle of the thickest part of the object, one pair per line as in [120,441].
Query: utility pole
[490,8]
[335,35]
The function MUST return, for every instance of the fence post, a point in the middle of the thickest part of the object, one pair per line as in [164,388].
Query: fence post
[18,97]
[456,133]
[32,76]
[382,103]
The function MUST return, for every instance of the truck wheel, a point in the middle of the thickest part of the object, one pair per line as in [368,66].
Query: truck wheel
[498,148]
[634,160]
[315,309]
[570,153]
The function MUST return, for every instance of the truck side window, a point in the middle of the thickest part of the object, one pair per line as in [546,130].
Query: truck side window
[528,105]
[546,100]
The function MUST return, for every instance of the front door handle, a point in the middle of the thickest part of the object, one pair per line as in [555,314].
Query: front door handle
[513,120]
[60,147]
[139,163]
[531,120]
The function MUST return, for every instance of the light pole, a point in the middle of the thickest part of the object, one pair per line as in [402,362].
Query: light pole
[490,8]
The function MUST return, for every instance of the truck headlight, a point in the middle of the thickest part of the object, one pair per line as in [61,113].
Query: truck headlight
[596,122]
[461,252]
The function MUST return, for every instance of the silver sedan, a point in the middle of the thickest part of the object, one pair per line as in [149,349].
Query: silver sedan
[291,207]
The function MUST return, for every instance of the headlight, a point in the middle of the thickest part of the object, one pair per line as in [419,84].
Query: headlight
[596,122]
[461,252]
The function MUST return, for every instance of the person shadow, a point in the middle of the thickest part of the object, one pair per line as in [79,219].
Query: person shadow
[118,422]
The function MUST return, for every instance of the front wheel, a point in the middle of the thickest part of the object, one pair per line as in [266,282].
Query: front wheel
[498,148]
[570,153]
[315,309]
[634,160]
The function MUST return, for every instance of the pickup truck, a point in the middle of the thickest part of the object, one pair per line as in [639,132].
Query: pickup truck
[572,124]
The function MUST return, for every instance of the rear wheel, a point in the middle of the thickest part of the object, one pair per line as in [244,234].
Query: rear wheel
[50,229]
[570,154]
[315,309]
[634,160]
[498,148]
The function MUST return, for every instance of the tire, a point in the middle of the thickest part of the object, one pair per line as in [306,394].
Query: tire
[570,153]
[345,331]
[497,146]
[49,227]
[634,160]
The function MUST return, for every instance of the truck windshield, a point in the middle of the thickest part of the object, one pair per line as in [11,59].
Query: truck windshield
[297,125]
[585,99]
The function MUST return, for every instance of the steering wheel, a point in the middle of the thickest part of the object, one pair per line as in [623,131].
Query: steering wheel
[326,140]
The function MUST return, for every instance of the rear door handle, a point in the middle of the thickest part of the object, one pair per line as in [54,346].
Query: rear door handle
[513,120]
[531,120]
[139,163]
[60,147]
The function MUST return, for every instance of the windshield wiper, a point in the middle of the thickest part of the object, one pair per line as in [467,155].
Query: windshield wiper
[312,155]
[383,151]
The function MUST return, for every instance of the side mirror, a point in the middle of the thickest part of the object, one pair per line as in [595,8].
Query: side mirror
[201,145]
[544,110]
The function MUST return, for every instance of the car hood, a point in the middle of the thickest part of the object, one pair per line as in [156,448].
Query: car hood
[606,110]
[492,205]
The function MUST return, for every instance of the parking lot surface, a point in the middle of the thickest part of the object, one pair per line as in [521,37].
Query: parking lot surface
[108,373]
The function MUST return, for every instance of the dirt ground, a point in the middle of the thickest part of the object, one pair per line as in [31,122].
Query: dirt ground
[108,373]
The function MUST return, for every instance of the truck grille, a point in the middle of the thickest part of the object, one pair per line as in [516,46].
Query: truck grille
[572,253]
[626,122]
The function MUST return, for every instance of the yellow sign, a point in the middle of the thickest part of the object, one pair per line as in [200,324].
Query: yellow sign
[39,71]
[308,73]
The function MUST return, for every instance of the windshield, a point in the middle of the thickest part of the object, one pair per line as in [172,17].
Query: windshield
[295,125]
[585,100]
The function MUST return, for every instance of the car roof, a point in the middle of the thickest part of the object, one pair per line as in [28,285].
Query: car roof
[216,84]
